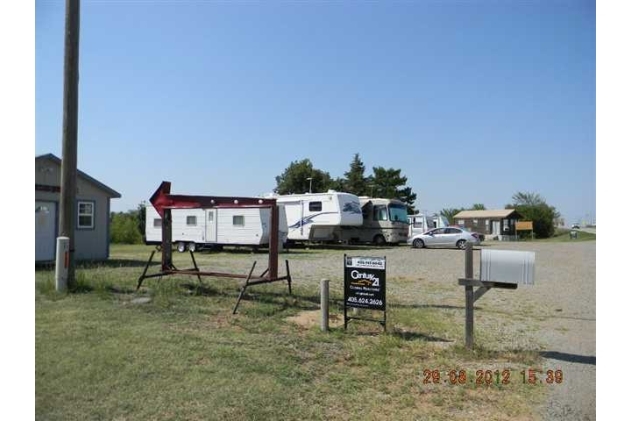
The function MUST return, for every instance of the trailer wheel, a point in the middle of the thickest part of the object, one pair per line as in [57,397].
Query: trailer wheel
[181,247]
[379,240]
[192,247]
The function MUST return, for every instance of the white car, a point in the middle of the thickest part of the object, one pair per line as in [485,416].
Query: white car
[445,237]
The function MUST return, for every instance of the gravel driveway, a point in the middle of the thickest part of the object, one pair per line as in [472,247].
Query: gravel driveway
[556,316]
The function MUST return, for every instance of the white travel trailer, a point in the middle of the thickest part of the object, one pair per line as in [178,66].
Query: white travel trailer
[314,216]
[194,229]
[420,223]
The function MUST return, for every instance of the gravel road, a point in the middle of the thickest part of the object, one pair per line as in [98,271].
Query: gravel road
[556,316]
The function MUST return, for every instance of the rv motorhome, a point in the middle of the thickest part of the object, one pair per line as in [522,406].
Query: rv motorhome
[384,222]
[420,223]
[315,216]
[194,229]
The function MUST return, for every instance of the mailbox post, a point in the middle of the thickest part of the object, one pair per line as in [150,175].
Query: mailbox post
[498,269]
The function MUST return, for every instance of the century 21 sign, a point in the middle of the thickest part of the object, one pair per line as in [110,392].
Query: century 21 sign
[365,282]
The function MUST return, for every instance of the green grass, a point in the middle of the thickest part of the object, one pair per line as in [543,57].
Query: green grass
[563,235]
[184,355]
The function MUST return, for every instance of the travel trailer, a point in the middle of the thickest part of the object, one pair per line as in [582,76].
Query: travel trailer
[420,223]
[384,222]
[315,216]
[194,229]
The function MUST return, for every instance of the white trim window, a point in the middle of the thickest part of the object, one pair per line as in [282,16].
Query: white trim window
[85,215]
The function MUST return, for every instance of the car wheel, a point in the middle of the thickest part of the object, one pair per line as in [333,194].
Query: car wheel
[379,240]
[418,244]
[461,244]
[181,247]
[192,247]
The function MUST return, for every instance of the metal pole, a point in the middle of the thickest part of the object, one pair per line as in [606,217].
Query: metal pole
[324,304]
[67,206]
[469,300]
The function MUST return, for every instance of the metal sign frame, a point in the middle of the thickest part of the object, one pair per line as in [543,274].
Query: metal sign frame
[163,201]
[364,286]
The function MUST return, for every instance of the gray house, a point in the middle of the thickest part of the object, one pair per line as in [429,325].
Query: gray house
[92,234]
[489,222]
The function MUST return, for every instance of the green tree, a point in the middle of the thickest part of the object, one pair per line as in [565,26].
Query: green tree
[299,176]
[124,228]
[355,181]
[527,199]
[449,213]
[390,184]
[478,206]
[533,207]
[338,184]
[141,213]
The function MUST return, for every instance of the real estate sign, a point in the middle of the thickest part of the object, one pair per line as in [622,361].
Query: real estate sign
[365,285]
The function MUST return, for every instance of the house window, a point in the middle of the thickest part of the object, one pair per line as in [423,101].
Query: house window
[460,222]
[315,206]
[191,221]
[157,222]
[238,220]
[210,216]
[475,222]
[85,217]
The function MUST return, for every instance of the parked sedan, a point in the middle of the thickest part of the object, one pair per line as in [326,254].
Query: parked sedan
[445,237]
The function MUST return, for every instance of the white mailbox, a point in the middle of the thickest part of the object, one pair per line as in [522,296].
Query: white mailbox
[508,266]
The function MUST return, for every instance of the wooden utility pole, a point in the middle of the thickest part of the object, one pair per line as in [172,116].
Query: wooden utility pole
[67,209]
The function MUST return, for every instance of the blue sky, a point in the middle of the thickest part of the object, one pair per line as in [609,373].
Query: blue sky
[472,100]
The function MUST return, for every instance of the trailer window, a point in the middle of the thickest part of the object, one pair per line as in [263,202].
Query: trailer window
[238,220]
[85,217]
[380,213]
[157,223]
[315,206]
[191,221]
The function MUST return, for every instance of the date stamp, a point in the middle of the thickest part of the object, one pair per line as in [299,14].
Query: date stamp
[531,376]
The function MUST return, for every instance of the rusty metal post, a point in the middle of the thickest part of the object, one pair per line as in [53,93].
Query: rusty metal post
[167,260]
[273,242]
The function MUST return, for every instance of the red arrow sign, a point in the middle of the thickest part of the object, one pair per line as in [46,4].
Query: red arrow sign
[162,199]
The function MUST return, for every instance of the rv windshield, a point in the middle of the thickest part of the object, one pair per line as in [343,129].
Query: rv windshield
[398,213]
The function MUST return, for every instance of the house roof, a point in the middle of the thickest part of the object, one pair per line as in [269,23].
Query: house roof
[113,193]
[495,213]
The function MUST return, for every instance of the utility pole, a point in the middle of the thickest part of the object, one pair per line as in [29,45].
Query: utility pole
[67,211]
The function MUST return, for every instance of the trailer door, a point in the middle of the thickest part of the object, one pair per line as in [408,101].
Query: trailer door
[211,225]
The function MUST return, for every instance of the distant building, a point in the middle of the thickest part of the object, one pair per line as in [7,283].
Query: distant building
[489,222]
[92,210]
